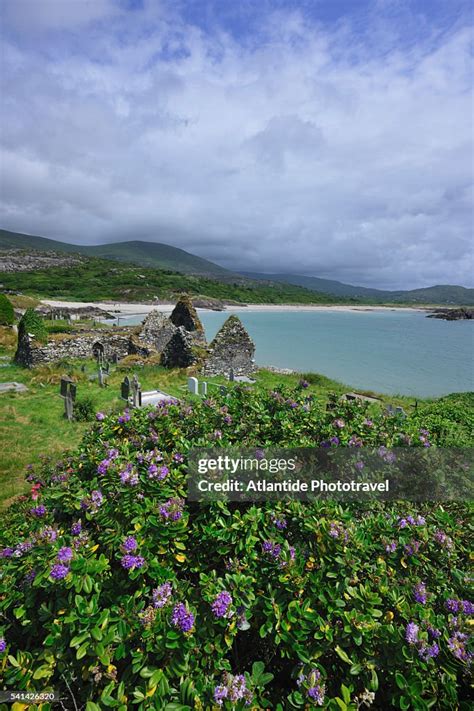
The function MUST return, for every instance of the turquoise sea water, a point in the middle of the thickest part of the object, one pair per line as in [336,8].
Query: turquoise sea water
[385,351]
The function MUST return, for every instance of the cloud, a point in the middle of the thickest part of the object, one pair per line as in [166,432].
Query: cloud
[301,146]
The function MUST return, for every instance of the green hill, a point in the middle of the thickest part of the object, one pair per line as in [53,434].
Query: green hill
[440,294]
[146,254]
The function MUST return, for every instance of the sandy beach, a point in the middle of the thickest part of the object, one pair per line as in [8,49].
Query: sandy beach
[137,308]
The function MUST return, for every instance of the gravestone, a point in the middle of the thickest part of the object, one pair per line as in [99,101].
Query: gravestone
[203,388]
[193,386]
[136,392]
[67,391]
[125,389]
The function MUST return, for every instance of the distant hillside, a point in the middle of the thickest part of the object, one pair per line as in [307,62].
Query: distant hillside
[440,294]
[146,254]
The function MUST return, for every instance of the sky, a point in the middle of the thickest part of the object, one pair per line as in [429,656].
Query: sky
[323,137]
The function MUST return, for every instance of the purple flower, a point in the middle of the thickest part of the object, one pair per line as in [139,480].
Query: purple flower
[76,528]
[7,552]
[433,632]
[279,522]
[65,554]
[221,604]
[97,498]
[172,509]
[220,693]
[38,511]
[428,651]
[335,440]
[59,571]
[100,416]
[103,466]
[303,384]
[391,547]
[456,645]
[129,545]
[271,549]
[452,605]
[178,457]
[130,562]
[359,465]
[124,418]
[339,423]
[467,607]
[411,633]
[419,593]
[162,595]
[181,617]
[3,645]
[216,435]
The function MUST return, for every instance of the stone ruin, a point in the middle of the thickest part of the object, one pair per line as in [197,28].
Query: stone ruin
[182,331]
[179,351]
[179,339]
[232,351]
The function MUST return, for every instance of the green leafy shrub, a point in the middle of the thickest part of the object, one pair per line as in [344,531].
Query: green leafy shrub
[31,322]
[7,314]
[84,409]
[122,595]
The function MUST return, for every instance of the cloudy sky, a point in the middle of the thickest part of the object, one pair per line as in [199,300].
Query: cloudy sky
[323,137]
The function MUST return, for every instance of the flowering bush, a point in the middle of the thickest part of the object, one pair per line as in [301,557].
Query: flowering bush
[121,594]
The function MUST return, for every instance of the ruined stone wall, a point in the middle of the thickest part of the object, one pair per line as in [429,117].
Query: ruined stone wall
[31,353]
[231,349]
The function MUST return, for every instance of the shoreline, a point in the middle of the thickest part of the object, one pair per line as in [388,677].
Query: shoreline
[123,308]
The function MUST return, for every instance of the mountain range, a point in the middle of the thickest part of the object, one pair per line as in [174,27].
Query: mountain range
[164,256]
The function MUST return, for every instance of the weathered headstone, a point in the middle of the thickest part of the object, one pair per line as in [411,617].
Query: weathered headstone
[193,386]
[136,392]
[69,407]
[64,386]
[125,389]
[203,388]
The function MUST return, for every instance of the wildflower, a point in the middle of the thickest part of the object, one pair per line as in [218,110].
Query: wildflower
[391,547]
[38,511]
[233,688]
[97,498]
[452,605]
[467,607]
[59,571]
[147,617]
[428,651]
[104,466]
[217,434]
[444,540]
[315,689]
[368,423]
[335,440]
[158,474]
[412,548]
[130,562]
[271,549]
[336,530]
[359,465]
[227,420]
[35,489]
[124,418]
[433,632]
[172,509]
[99,416]
[177,457]
[339,423]
[3,645]
[221,604]
[47,534]
[419,593]
[65,554]
[76,528]
[456,645]
[162,595]
[129,545]
[411,633]
[303,384]
[279,522]
[181,617]
[7,552]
